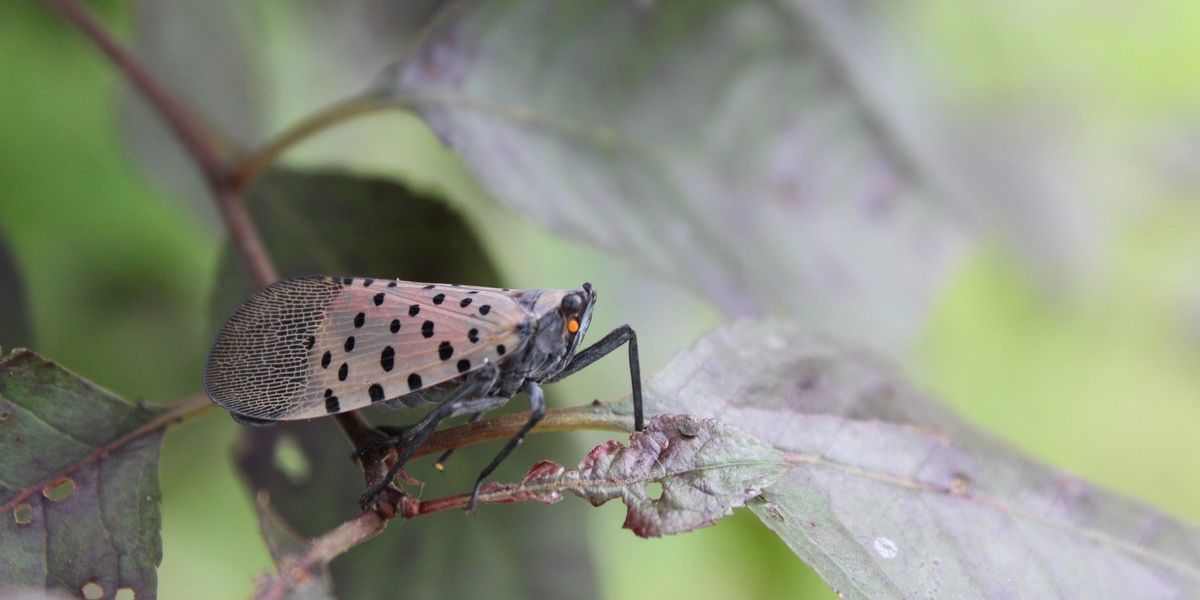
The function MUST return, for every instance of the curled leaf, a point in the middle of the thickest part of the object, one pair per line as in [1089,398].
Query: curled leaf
[706,469]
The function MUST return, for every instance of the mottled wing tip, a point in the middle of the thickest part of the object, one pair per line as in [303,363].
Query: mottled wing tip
[259,365]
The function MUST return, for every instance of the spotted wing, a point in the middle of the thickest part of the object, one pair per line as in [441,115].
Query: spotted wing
[312,346]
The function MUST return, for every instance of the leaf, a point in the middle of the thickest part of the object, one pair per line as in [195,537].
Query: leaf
[705,468]
[715,143]
[78,487]
[343,224]
[892,496]
[14,314]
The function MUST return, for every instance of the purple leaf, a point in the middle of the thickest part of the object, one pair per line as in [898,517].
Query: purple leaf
[892,496]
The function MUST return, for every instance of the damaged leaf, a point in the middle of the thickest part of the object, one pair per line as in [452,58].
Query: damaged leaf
[73,518]
[705,469]
[699,471]
[892,496]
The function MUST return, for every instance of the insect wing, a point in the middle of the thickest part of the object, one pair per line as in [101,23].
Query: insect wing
[309,347]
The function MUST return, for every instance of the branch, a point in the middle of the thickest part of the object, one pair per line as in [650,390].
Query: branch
[595,416]
[191,132]
[261,158]
[320,552]
[179,410]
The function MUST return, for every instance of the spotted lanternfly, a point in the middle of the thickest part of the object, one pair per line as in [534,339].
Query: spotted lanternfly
[313,346]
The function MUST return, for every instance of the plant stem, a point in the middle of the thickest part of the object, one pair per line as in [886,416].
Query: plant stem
[320,552]
[594,416]
[191,132]
[263,157]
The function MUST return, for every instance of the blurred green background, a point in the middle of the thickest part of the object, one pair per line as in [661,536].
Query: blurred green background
[1103,382]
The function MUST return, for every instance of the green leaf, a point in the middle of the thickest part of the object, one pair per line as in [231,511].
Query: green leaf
[705,469]
[78,489]
[892,496]
[342,224]
[718,144]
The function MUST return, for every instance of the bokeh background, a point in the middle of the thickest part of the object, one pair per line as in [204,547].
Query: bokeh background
[1096,371]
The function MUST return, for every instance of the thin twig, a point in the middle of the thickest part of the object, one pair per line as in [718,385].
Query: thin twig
[263,157]
[191,131]
[593,417]
[179,410]
[320,552]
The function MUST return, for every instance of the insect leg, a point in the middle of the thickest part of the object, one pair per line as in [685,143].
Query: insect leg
[440,463]
[465,399]
[596,351]
[537,404]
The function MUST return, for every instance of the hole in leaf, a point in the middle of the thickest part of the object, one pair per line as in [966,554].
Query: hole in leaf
[290,459]
[92,591]
[125,594]
[654,490]
[59,490]
[23,514]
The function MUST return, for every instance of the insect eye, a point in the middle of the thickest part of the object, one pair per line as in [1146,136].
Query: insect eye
[573,326]
[572,303]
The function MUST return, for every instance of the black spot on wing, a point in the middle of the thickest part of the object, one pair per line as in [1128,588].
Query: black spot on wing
[395,325]
[485,309]
[439,298]
[427,329]
[359,319]
[445,350]
[376,392]
[414,310]
[349,345]
[465,302]
[464,365]
[387,359]
[378,299]
[414,382]
[343,371]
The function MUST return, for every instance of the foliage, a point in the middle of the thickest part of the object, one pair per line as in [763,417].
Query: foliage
[760,154]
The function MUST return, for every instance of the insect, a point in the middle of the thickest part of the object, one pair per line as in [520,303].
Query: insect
[313,346]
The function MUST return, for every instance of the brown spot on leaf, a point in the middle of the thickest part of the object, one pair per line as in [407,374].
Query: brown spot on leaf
[23,514]
[59,490]
[689,429]
[92,590]
[960,485]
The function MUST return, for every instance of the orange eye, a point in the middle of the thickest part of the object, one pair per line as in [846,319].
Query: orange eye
[573,326]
